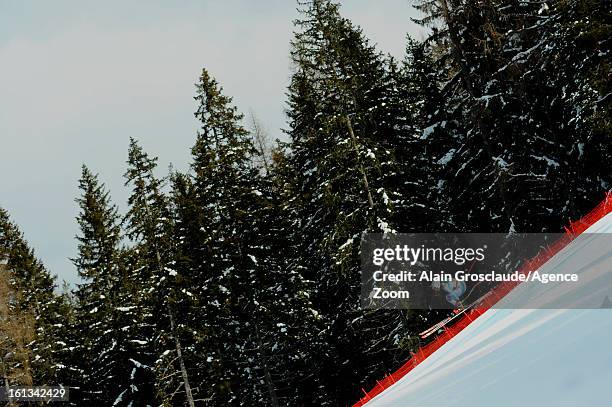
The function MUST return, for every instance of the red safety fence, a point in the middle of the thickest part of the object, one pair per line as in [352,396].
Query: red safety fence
[573,230]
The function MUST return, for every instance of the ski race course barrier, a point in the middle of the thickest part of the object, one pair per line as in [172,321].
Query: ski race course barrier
[572,231]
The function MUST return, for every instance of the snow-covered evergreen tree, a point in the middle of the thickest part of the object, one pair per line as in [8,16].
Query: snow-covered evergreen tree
[149,225]
[112,342]
[257,335]
[238,282]
[344,130]
[515,144]
[48,352]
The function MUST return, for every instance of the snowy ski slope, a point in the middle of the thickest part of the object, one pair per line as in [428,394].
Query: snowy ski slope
[519,357]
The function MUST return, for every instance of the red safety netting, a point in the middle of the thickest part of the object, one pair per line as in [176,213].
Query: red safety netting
[573,230]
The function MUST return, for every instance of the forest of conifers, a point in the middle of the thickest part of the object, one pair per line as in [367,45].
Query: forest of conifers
[238,282]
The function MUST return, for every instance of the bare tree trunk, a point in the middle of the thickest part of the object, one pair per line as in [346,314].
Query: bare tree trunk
[458,49]
[7,388]
[366,184]
[6,384]
[260,138]
[348,122]
[177,342]
[179,354]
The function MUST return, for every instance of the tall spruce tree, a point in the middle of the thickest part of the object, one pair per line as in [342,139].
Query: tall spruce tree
[112,345]
[149,225]
[344,131]
[416,97]
[258,335]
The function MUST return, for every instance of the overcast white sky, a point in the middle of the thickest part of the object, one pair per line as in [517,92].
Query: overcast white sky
[78,78]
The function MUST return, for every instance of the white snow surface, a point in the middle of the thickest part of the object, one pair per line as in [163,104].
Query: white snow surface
[518,357]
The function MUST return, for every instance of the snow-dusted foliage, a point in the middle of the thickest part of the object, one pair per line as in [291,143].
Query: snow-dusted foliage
[237,282]
[526,90]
